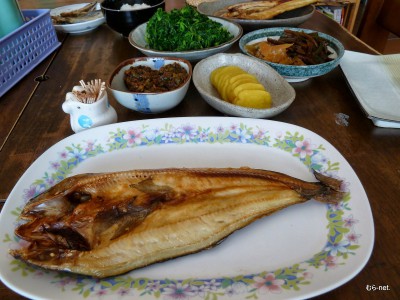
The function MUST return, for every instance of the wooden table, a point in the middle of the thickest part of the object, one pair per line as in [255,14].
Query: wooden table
[32,121]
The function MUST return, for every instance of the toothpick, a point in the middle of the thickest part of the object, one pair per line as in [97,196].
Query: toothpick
[92,91]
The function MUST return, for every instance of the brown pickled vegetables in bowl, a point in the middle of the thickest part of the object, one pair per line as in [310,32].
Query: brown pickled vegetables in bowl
[143,79]
[293,48]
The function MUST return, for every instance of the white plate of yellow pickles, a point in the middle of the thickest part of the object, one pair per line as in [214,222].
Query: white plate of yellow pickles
[238,85]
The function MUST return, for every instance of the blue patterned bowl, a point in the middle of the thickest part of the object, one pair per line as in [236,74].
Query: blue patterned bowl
[295,73]
[149,103]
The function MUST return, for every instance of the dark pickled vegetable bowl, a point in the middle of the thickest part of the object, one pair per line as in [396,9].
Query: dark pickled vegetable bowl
[150,84]
[293,73]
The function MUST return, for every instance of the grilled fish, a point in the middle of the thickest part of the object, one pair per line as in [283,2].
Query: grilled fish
[81,11]
[90,16]
[262,10]
[110,223]
[83,14]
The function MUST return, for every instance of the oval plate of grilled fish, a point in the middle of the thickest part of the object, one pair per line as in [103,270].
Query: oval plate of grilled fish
[252,15]
[190,207]
[77,18]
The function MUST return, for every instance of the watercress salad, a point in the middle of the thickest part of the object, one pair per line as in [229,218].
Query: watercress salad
[184,29]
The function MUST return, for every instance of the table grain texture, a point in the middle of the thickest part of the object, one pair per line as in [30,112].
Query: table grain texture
[32,120]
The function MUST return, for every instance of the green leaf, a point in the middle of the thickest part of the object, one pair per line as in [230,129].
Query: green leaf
[353,247]
[184,29]
[86,293]
[106,284]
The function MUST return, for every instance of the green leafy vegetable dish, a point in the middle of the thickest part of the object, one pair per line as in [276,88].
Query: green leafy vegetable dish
[183,30]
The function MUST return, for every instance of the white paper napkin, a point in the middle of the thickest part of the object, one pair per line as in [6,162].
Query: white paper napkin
[375,81]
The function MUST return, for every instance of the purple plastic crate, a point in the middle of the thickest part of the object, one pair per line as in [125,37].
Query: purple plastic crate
[24,48]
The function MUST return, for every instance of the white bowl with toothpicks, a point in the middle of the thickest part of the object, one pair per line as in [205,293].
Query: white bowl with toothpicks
[88,106]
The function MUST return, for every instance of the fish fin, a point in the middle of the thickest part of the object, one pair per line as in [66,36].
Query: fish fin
[332,193]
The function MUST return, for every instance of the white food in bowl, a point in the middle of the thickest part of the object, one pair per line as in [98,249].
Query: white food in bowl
[134,7]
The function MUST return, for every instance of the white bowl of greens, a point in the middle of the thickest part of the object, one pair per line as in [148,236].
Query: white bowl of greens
[174,33]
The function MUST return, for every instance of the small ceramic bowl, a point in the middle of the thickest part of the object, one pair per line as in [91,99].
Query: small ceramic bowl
[282,93]
[291,18]
[123,21]
[138,40]
[295,73]
[77,28]
[149,103]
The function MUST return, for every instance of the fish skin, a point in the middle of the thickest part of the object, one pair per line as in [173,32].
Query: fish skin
[262,10]
[83,14]
[81,11]
[93,15]
[111,223]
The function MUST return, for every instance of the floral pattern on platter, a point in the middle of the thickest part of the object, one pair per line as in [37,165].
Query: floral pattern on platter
[342,238]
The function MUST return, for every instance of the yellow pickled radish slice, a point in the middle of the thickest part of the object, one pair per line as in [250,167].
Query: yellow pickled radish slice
[248,86]
[254,98]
